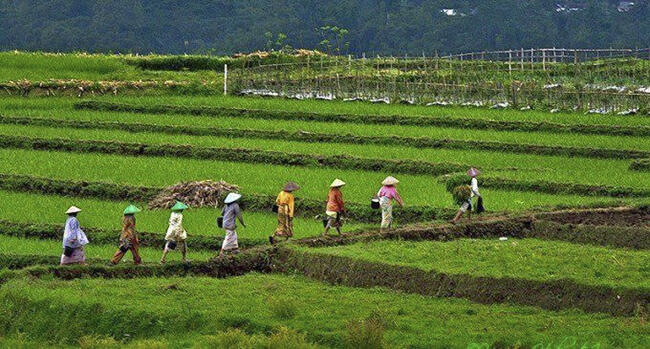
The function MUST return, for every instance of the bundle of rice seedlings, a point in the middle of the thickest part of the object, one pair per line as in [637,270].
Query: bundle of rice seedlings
[461,194]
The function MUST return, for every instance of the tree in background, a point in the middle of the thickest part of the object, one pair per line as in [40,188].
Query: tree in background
[333,39]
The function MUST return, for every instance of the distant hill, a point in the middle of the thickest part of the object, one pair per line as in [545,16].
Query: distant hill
[395,27]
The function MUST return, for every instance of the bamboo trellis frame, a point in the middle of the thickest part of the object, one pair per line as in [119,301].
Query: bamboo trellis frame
[456,79]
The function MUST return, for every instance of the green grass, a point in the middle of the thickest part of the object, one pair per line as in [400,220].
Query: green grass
[529,167]
[258,304]
[362,185]
[39,66]
[34,208]
[527,258]
[61,108]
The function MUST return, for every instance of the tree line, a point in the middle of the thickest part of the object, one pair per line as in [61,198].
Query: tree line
[385,27]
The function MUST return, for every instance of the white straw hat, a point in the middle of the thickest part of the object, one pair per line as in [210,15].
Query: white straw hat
[337,183]
[472,172]
[73,209]
[232,197]
[390,180]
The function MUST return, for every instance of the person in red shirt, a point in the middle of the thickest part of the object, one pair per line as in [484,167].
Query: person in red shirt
[335,207]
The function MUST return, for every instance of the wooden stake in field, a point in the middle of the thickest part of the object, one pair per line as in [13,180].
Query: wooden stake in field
[225,79]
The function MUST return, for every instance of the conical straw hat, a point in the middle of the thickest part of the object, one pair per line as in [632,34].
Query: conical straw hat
[291,186]
[179,206]
[131,209]
[337,183]
[232,197]
[472,172]
[390,180]
[73,209]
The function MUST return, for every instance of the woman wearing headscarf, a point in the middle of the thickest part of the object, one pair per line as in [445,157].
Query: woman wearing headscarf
[467,205]
[285,205]
[129,237]
[175,235]
[231,213]
[387,194]
[335,207]
[74,239]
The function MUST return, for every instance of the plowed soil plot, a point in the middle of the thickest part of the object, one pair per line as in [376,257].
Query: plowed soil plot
[614,217]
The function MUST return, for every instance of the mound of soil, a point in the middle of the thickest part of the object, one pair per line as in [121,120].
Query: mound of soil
[630,217]
[194,194]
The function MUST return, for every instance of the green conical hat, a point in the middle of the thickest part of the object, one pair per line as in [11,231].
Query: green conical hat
[131,209]
[179,206]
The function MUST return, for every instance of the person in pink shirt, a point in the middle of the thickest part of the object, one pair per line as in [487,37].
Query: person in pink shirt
[386,195]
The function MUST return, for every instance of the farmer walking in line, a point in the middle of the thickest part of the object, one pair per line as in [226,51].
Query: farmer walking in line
[129,237]
[74,239]
[386,195]
[230,214]
[176,234]
[335,207]
[466,202]
[285,206]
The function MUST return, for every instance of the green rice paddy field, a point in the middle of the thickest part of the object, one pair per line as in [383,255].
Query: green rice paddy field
[287,309]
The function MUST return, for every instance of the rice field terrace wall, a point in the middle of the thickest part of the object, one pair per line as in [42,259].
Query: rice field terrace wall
[81,88]
[552,295]
[543,226]
[640,165]
[15,261]
[232,155]
[199,62]
[470,79]
[313,137]
[109,237]
[452,181]
[259,260]
[467,123]
[251,201]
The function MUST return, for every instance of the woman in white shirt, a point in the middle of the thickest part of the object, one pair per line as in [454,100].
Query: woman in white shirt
[467,206]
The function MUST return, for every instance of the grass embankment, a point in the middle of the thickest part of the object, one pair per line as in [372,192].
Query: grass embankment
[97,254]
[160,172]
[62,109]
[558,169]
[442,121]
[321,312]
[340,107]
[313,137]
[526,258]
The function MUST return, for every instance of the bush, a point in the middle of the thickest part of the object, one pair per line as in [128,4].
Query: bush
[282,308]
[285,338]
[366,334]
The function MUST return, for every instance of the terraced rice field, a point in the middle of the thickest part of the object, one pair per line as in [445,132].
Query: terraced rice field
[555,282]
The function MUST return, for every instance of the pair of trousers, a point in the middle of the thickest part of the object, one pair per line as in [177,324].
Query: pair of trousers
[133,247]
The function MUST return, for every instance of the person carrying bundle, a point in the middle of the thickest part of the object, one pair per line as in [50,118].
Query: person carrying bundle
[230,214]
[335,207]
[386,195]
[285,208]
[74,239]
[176,235]
[129,237]
[464,194]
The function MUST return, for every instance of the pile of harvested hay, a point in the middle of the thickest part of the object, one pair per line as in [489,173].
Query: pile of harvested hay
[194,194]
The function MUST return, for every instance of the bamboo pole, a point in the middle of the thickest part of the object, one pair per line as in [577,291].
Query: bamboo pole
[225,79]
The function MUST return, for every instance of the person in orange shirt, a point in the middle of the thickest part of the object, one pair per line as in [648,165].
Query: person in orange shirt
[335,207]
[285,205]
